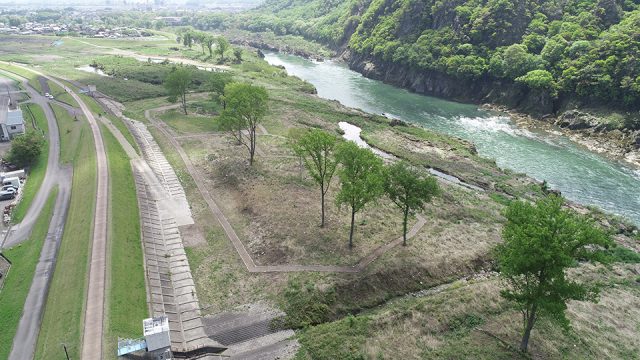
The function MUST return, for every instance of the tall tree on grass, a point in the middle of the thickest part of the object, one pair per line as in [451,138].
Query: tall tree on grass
[216,84]
[246,106]
[177,83]
[361,179]
[223,46]
[316,147]
[209,40]
[409,190]
[541,241]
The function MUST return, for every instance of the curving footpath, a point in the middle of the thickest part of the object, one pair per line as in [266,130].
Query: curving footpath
[235,240]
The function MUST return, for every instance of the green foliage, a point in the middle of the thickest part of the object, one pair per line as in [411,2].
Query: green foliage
[216,84]
[409,190]
[541,241]
[305,305]
[223,46]
[246,105]
[342,339]
[590,47]
[26,148]
[316,148]
[177,83]
[361,179]
[539,80]
[623,255]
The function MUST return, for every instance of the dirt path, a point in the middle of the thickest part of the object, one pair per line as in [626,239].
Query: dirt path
[233,237]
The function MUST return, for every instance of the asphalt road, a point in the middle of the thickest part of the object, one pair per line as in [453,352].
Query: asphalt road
[20,232]
[24,342]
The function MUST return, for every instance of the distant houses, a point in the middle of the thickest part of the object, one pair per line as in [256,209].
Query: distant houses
[11,121]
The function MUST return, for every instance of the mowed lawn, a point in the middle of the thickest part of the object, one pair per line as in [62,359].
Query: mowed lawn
[189,124]
[127,302]
[24,258]
[63,317]
[39,168]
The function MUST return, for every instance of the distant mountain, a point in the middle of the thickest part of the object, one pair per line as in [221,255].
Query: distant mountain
[538,55]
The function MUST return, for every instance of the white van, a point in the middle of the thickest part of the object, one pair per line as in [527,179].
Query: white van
[13,181]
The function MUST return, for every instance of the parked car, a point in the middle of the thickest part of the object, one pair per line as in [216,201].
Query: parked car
[7,195]
[13,181]
[8,188]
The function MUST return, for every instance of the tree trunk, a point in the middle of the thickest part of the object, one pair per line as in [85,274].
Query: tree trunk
[322,203]
[184,103]
[353,219]
[527,331]
[404,226]
[252,144]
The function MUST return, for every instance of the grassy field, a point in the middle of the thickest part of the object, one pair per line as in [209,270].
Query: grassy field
[31,77]
[24,258]
[62,322]
[33,113]
[72,133]
[189,124]
[127,303]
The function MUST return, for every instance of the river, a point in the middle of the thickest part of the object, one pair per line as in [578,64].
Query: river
[582,175]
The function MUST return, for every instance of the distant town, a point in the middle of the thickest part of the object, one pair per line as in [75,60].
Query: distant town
[36,28]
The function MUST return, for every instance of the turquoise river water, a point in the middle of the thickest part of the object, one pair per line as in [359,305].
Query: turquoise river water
[582,175]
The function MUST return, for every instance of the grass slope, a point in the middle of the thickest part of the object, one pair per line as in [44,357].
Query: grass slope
[62,322]
[33,112]
[24,258]
[127,303]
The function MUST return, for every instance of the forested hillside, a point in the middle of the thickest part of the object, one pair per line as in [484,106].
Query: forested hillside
[538,55]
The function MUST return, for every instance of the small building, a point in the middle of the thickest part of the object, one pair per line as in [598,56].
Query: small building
[11,121]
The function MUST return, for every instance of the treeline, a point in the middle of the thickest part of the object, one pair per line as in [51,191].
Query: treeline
[587,50]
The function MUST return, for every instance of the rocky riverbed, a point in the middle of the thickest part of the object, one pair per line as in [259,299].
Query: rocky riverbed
[584,129]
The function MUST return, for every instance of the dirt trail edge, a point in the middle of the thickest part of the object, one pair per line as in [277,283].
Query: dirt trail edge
[235,240]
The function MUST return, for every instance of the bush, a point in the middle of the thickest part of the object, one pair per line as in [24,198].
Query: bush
[25,149]
[305,305]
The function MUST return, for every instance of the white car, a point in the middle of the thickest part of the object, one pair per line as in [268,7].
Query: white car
[9,188]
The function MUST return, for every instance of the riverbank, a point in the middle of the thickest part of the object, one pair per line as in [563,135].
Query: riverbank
[616,144]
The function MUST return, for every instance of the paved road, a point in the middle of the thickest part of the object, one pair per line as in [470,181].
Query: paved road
[24,342]
[20,232]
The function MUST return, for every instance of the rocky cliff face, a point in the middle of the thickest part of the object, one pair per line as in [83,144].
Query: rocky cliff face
[433,83]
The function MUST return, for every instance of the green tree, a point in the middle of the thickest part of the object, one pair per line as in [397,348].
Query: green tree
[316,147]
[216,84]
[237,53]
[223,46]
[361,179]
[25,149]
[209,41]
[246,106]
[177,83]
[541,241]
[409,190]
[538,79]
